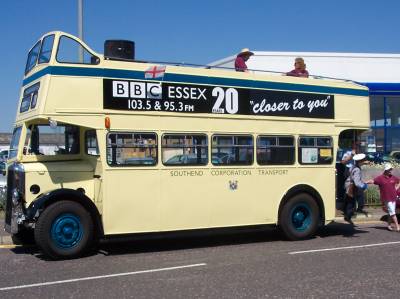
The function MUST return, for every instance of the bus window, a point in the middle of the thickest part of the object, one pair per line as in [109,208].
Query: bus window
[232,150]
[32,57]
[29,99]
[47,47]
[48,141]
[14,143]
[184,149]
[127,149]
[91,146]
[275,150]
[315,150]
[69,51]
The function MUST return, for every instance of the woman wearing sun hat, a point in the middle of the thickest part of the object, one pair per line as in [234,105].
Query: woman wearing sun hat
[241,58]
[387,183]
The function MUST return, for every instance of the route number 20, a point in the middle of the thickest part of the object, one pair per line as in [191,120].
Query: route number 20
[229,96]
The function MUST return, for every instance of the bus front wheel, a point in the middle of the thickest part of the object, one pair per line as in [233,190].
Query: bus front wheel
[64,230]
[299,217]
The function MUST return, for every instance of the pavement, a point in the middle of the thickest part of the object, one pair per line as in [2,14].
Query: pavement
[5,238]
[374,214]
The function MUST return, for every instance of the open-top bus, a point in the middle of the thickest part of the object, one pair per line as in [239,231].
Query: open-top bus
[106,145]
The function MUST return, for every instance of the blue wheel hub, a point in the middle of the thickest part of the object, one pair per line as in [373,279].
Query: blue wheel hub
[66,231]
[301,216]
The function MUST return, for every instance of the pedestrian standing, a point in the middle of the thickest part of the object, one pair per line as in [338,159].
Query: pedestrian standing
[388,183]
[355,186]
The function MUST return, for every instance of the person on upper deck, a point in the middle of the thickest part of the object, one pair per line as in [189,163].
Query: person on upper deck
[299,69]
[241,58]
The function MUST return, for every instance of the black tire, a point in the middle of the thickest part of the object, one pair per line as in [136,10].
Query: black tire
[64,230]
[23,237]
[299,217]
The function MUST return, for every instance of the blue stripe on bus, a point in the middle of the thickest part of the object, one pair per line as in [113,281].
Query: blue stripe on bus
[179,78]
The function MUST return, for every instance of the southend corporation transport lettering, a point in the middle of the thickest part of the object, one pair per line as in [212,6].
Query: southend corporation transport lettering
[186,172]
[273,171]
[229,172]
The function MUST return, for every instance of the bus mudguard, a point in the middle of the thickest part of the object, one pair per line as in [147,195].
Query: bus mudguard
[44,200]
[302,188]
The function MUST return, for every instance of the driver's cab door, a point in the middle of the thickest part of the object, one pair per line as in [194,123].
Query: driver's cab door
[93,155]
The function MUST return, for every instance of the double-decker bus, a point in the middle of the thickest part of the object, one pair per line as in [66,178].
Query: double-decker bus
[107,145]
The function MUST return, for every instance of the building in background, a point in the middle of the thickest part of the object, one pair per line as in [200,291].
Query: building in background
[5,139]
[380,72]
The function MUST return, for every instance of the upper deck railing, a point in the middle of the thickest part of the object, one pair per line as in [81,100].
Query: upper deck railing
[53,47]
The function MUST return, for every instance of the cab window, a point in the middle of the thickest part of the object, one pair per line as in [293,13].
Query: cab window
[91,146]
[52,141]
[14,142]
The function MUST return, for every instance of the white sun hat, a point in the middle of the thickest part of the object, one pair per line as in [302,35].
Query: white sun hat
[245,51]
[359,157]
[387,166]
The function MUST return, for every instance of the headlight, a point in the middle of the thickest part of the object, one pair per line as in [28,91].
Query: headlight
[16,197]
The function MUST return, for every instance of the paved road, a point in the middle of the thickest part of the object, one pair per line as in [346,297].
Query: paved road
[253,265]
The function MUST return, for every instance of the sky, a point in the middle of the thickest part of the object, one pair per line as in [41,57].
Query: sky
[192,31]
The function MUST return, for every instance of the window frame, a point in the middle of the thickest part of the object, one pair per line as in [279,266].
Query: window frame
[276,146]
[28,94]
[134,165]
[86,145]
[28,69]
[232,146]
[15,140]
[97,59]
[206,146]
[29,138]
[316,146]
[41,48]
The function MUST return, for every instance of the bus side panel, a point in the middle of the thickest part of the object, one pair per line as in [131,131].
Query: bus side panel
[257,197]
[131,201]
[240,199]
[186,198]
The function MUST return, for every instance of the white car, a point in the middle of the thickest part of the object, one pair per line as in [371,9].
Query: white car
[3,155]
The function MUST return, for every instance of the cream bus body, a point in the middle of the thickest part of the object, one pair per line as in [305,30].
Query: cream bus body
[160,198]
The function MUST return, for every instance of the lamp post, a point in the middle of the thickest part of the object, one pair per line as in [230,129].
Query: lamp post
[80,27]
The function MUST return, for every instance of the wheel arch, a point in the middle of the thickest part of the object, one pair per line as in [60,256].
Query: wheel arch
[303,188]
[45,200]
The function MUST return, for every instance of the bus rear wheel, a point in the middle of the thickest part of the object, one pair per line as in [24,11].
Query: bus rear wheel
[64,230]
[299,217]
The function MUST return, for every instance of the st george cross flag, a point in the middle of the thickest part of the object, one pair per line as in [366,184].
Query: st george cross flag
[156,71]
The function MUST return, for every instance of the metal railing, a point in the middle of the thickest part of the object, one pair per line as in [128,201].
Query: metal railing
[372,196]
